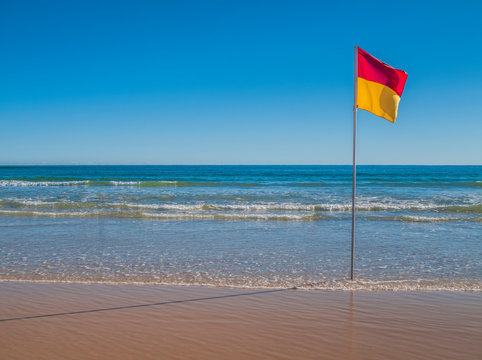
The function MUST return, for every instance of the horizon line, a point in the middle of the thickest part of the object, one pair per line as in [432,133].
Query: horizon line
[2,165]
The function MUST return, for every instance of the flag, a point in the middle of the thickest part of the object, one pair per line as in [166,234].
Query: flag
[379,86]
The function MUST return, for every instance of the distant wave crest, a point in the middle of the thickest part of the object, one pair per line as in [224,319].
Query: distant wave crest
[55,181]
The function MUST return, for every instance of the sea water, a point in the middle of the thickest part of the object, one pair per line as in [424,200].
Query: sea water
[418,227]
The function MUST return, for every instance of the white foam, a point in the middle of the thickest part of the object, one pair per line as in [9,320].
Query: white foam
[23,183]
[167,216]
[125,183]
[233,216]
[423,285]
[300,207]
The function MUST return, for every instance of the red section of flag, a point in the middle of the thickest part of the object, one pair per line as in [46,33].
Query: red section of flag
[372,69]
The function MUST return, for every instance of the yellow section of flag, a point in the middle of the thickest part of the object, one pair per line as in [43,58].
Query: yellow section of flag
[379,99]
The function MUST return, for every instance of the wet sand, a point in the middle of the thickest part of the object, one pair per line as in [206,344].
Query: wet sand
[100,321]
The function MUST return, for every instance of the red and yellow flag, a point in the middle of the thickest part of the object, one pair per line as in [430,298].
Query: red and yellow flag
[379,86]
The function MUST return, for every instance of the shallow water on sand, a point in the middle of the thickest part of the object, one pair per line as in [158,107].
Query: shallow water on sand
[187,322]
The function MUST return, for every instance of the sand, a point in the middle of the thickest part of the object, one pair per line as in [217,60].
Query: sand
[101,321]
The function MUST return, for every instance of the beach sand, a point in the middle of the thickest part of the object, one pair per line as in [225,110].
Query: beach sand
[189,322]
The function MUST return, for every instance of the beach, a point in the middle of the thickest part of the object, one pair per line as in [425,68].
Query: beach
[119,321]
[240,180]
[239,262]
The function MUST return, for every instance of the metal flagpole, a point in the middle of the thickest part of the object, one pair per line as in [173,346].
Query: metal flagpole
[355,94]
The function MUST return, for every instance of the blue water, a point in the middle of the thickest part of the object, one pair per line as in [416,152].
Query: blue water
[418,227]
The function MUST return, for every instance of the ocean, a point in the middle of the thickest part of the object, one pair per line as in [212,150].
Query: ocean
[418,227]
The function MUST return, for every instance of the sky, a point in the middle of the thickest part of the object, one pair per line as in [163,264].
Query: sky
[235,82]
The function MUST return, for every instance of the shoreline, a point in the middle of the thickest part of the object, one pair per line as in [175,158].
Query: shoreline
[124,321]
[346,285]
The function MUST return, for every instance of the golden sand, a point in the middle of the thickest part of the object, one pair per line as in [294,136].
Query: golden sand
[96,321]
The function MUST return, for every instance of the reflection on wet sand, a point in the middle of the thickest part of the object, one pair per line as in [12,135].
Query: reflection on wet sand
[59,321]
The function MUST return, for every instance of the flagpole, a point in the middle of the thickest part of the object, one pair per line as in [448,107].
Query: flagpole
[355,93]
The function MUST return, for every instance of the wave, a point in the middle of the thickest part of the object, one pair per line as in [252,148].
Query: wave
[131,183]
[422,184]
[162,205]
[202,206]
[148,183]
[409,218]
[359,284]
[24,183]
[470,209]
[27,203]
[387,182]
[421,219]
[168,216]
[170,183]
[471,184]
[69,181]
[189,214]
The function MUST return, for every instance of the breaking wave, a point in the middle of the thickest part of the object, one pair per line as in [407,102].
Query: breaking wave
[134,183]
[169,216]
[163,204]
[408,218]
[53,181]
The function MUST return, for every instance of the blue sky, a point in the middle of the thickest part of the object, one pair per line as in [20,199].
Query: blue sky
[234,82]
